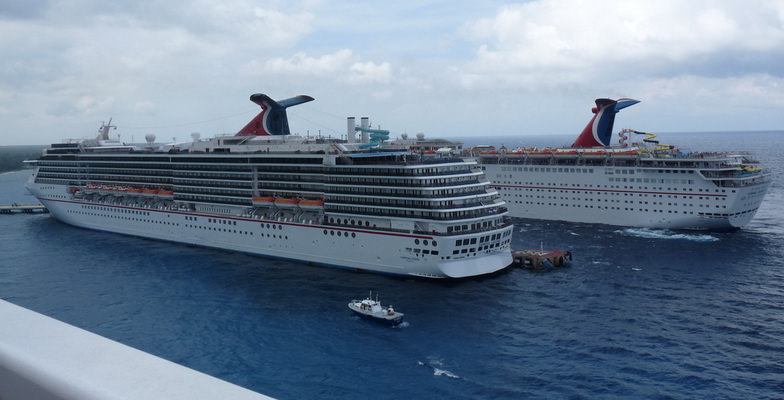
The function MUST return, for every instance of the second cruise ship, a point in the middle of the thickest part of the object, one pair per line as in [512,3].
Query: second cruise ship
[636,184]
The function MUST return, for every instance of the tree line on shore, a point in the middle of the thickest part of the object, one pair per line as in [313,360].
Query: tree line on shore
[12,157]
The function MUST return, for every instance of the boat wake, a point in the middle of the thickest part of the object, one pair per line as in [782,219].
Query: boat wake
[666,234]
[437,367]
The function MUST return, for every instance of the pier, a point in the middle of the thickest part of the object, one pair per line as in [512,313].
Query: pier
[23,209]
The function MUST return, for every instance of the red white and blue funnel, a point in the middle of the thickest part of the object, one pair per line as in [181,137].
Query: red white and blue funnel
[272,120]
[598,132]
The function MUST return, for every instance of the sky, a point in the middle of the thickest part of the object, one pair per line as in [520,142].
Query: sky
[447,68]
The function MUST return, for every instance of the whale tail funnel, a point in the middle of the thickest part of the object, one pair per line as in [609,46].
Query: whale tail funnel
[272,120]
[598,132]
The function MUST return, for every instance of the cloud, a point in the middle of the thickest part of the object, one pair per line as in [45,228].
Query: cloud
[22,9]
[538,44]
[370,72]
[341,65]
[534,66]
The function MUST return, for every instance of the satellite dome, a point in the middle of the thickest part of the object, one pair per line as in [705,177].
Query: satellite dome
[195,136]
[149,138]
[420,135]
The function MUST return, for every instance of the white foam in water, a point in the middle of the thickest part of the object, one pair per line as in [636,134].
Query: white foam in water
[434,364]
[439,372]
[666,234]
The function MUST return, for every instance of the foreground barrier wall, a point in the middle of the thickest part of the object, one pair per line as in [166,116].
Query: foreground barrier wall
[45,359]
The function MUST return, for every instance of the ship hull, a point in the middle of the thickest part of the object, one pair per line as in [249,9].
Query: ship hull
[387,321]
[356,249]
[591,197]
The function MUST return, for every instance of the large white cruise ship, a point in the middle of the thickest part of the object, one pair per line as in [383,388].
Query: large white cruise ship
[263,191]
[643,184]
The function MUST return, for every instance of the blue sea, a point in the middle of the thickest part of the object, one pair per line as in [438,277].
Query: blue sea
[640,313]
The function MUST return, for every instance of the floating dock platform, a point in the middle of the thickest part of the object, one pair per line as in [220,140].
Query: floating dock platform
[24,209]
[541,258]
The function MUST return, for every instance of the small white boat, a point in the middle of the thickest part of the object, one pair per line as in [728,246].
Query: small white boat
[372,309]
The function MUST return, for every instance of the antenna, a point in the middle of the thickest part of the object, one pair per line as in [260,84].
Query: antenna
[104,129]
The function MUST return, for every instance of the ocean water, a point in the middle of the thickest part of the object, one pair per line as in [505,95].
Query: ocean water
[639,314]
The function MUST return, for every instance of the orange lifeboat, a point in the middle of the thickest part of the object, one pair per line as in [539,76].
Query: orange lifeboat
[263,201]
[311,204]
[595,153]
[285,202]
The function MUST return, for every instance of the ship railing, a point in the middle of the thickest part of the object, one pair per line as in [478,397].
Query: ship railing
[742,182]
[403,193]
[399,173]
[419,231]
[43,358]
[470,202]
[447,215]
[734,174]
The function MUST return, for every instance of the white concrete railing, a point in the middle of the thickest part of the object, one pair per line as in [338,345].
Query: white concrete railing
[44,359]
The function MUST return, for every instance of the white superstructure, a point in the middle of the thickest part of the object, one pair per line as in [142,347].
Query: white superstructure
[266,192]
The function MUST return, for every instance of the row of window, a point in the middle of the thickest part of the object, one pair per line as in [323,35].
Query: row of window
[463,190]
[653,180]
[599,207]
[400,182]
[211,165]
[559,187]
[485,247]
[408,213]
